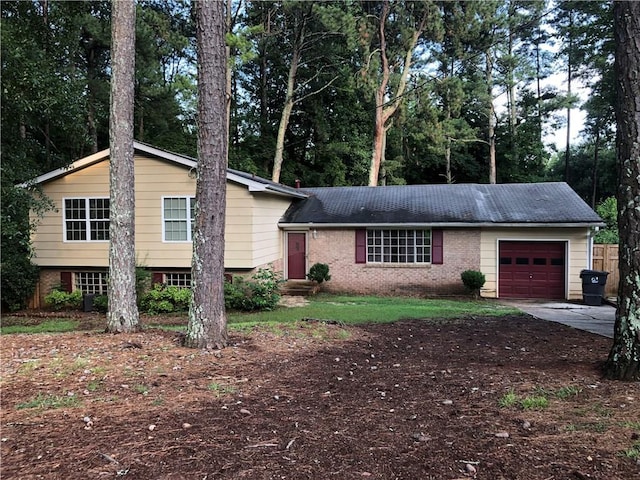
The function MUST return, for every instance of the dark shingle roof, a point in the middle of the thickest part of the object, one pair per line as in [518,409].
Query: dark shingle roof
[523,203]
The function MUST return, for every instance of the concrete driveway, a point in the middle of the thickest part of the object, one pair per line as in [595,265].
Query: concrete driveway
[599,320]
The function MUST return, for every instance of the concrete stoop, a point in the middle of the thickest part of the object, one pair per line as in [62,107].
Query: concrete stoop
[299,288]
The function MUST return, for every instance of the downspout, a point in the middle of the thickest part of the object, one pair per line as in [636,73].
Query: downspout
[590,237]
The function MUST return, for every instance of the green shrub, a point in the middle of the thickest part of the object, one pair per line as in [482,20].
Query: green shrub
[19,278]
[258,293]
[319,273]
[59,300]
[261,292]
[165,299]
[143,281]
[473,281]
[101,303]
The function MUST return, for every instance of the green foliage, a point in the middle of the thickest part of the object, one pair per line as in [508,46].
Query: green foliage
[509,399]
[534,403]
[608,210]
[261,292]
[632,452]
[60,300]
[567,392]
[19,278]
[165,299]
[319,273]
[101,303]
[143,281]
[473,281]
[18,274]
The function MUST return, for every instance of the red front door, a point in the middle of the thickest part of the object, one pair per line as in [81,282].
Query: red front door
[296,256]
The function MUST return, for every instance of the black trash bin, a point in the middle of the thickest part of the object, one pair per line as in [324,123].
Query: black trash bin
[593,282]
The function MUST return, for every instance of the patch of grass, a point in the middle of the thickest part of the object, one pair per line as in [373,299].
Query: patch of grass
[346,309]
[534,402]
[631,425]
[49,326]
[567,392]
[219,389]
[98,371]
[632,452]
[157,401]
[94,385]
[28,367]
[537,401]
[48,402]
[141,389]
[365,309]
[597,427]
[509,399]
[602,411]
[343,334]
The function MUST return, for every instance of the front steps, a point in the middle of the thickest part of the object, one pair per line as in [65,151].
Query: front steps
[299,288]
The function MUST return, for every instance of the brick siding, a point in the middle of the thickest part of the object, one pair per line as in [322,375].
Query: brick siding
[336,247]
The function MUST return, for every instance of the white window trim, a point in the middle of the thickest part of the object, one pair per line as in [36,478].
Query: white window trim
[166,276]
[164,220]
[87,220]
[414,263]
[103,285]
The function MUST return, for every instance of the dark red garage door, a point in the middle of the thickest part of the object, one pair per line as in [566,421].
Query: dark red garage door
[531,270]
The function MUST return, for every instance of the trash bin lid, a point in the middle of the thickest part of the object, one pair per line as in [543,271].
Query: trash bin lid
[593,272]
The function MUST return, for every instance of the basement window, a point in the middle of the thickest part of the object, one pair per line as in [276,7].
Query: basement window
[91,283]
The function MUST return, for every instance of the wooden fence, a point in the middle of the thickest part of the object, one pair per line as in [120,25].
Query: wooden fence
[605,258]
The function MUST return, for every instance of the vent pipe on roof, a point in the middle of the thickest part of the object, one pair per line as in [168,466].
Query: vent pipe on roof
[297,183]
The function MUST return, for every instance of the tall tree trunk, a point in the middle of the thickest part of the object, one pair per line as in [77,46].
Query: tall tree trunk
[492,119]
[624,359]
[207,317]
[538,90]
[229,74]
[386,109]
[594,172]
[567,152]
[286,114]
[122,315]
[447,157]
[511,88]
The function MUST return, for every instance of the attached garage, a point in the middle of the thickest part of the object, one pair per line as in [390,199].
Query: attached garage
[532,269]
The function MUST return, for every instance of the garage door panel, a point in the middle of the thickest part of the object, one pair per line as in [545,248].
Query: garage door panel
[531,269]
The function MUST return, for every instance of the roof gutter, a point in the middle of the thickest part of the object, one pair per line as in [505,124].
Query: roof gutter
[289,226]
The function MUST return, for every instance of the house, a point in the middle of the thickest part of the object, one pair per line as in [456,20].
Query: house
[71,242]
[530,240]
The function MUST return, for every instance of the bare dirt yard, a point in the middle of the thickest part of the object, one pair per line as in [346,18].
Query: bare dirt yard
[487,398]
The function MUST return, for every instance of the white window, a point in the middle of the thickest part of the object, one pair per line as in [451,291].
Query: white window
[86,219]
[182,280]
[178,218]
[398,246]
[91,282]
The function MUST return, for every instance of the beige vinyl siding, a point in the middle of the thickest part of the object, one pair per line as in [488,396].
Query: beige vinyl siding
[238,228]
[267,237]
[48,240]
[246,245]
[577,254]
[155,180]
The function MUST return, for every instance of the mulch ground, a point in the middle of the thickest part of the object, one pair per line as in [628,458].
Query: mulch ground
[410,400]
